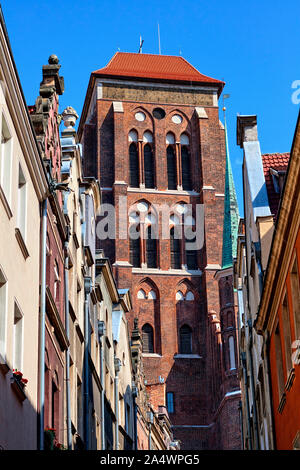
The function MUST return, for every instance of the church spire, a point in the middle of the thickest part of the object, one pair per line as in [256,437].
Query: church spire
[231,211]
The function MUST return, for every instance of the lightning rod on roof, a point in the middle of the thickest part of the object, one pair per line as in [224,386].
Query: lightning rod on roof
[141,45]
[159,50]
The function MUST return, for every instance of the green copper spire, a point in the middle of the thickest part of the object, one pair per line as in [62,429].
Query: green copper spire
[231,212]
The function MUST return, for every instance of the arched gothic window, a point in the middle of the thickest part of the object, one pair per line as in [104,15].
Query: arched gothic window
[185,340]
[134,165]
[148,166]
[171,167]
[185,162]
[134,245]
[175,248]
[151,248]
[147,335]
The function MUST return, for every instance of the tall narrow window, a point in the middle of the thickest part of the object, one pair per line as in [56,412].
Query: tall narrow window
[170,402]
[134,246]
[6,158]
[134,165]
[18,339]
[175,248]
[151,247]
[171,167]
[22,209]
[185,340]
[148,166]
[296,298]
[231,352]
[287,335]
[185,162]
[279,362]
[147,335]
[56,282]
[190,251]
[3,316]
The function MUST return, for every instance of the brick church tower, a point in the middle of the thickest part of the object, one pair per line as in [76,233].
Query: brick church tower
[151,134]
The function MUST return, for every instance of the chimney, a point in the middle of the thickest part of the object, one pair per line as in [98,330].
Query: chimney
[246,130]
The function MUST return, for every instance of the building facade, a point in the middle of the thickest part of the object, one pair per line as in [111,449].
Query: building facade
[262,184]
[23,187]
[278,319]
[151,134]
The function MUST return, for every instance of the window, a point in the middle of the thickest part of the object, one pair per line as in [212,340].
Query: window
[148,166]
[133,165]
[185,162]
[185,340]
[175,248]
[170,402]
[151,248]
[6,158]
[171,167]
[287,335]
[22,209]
[147,336]
[134,246]
[18,339]
[279,362]
[296,298]
[3,315]
[231,353]
[190,242]
[56,282]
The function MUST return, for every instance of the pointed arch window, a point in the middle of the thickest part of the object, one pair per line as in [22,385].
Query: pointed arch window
[190,244]
[135,246]
[185,162]
[185,340]
[175,248]
[151,247]
[133,165]
[171,167]
[148,166]
[147,336]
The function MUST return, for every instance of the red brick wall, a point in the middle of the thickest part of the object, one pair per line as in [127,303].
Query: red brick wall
[193,380]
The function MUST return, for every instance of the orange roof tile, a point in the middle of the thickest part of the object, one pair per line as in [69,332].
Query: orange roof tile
[279,162]
[152,66]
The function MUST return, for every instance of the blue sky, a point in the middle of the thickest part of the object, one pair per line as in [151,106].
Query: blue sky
[253,46]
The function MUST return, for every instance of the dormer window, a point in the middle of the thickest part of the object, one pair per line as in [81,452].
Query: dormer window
[278,178]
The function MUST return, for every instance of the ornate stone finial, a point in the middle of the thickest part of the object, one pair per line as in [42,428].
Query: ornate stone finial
[69,117]
[53,60]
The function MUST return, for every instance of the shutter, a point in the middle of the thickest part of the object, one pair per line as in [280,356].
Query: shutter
[186,170]
[148,166]
[134,165]
[147,335]
[134,249]
[185,340]
[175,250]
[171,164]
[151,250]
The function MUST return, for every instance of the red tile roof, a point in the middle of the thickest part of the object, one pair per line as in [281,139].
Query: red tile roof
[279,162]
[152,66]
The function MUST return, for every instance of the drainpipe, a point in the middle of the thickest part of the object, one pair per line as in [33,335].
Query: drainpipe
[67,326]
[116,386]
[87,290]
[241,424]
[243,356]
[253,384]
[42,326]
[134,396]
[150,422]
[101,333]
